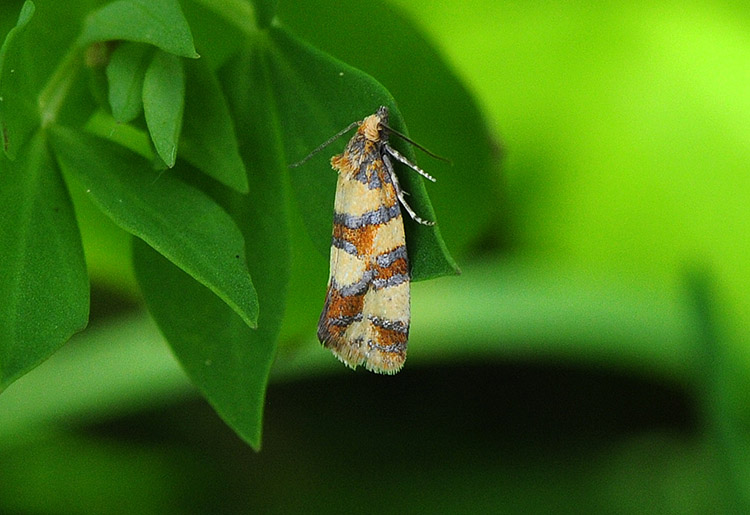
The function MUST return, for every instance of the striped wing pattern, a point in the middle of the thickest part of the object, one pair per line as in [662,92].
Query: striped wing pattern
[365,319]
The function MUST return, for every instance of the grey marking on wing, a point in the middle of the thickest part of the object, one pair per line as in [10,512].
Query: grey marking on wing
[346,246]
[344,320]
[387,259]
[375,217]
[358,288]
[393,280]
[391,325]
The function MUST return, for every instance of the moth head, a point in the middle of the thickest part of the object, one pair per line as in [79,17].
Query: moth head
[370,127]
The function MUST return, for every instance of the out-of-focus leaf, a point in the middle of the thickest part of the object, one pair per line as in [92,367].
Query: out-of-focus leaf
[527,308]
[117,366]
[719,388]
[159,23]
[626,135]
[164,102]
[179,221]
[43,281]
[265,10]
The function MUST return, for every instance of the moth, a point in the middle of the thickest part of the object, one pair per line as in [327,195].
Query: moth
[366,315]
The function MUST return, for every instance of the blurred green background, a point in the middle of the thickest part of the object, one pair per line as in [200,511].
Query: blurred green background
[593,356]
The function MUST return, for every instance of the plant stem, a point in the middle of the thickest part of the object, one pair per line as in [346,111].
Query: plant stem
[53,95]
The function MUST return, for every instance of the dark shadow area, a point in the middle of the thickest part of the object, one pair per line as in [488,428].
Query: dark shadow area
[340,437]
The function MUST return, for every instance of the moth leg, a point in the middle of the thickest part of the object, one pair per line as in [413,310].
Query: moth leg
[401,194]
[397,155]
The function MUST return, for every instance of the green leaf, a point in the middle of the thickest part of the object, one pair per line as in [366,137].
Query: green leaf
[208,139]
[316,96]
[229,363]
[125,74]
[39,71]
[440,113]
[102,124]
[43,281]
[19,113]
[234,20]
[159,23]
[163,103]
[179,221]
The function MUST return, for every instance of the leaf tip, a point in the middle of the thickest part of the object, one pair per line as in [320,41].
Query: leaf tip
[168,155]
[27,11]
[243,188]
[252,323]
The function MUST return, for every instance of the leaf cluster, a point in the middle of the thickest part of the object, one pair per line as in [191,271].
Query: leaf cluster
[177,121]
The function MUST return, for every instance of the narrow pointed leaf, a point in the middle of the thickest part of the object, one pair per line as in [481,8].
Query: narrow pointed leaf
[228,362]
[43,280]
[179,221]
[163,103]
[208,139]
[125,73]
[159,23]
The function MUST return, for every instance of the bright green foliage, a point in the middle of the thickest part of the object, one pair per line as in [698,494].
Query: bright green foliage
[227,360]
[593,355]
[159,23]
[188,227]
[215,251]
[43,280]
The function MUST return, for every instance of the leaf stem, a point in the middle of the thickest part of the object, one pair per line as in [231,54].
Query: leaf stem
[53,95]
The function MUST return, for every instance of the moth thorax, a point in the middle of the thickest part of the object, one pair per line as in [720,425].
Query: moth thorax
[371,127]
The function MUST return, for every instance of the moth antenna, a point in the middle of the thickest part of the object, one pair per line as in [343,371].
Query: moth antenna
[414,143]
[325,144]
